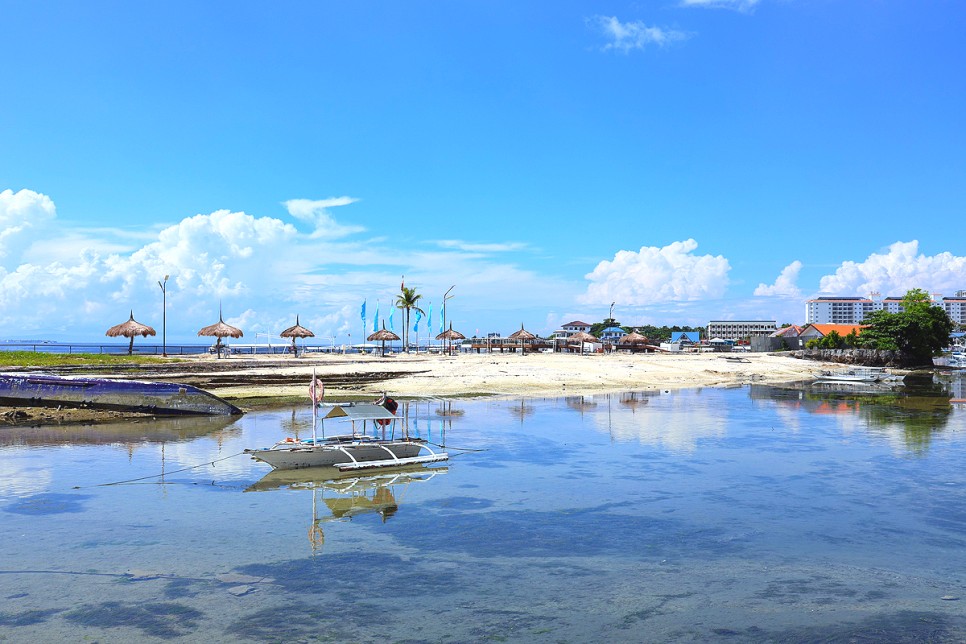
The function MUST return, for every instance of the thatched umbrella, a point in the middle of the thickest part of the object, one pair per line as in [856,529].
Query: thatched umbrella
[220,330]
[581,337]
[522,335]
[382,336]
[130,329]
[450,334]
[297,331]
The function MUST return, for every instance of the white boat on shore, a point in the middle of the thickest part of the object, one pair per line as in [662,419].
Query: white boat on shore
[356,451]
[861,375]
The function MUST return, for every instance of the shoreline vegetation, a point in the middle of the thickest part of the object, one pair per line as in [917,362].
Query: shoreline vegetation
[263,382]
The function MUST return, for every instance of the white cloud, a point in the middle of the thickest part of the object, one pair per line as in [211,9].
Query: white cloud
[73,283]
[786,283]
[316,212]
[24,216]
[625,36]
[655,275]
[504,247]
[736,5]
[897,270]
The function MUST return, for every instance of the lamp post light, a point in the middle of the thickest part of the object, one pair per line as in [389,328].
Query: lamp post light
[446,296]
[164,316]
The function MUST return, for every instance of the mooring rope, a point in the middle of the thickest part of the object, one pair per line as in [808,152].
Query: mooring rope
[154,476]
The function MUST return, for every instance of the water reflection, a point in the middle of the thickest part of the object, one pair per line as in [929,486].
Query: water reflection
[347,495]
[128,433]
[669,420]
[908,416]
[687,516]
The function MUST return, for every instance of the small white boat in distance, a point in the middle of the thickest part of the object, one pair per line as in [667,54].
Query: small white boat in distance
[354,451]
[861,375]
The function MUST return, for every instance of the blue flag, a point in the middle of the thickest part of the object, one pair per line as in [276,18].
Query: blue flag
[363,313]
[419,316]
[392,310]
[442,322]
[429,319]
[375,320]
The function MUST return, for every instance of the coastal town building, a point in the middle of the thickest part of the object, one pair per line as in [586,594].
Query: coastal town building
[612,334]
[570,329]
[740,329]
[853,310]
[955,307]
[819,331]
[681,341]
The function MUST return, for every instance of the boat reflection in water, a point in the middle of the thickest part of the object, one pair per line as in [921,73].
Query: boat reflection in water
[346,494]
[175,429]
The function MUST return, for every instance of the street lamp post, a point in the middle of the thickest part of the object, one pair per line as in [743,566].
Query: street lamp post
[164,316]
[446,296]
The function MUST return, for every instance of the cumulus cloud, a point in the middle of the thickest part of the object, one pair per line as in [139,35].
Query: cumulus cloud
[893,272]
[786,283]
[625,36]
[736,5]
[24,216]
[265,270]
[655,275]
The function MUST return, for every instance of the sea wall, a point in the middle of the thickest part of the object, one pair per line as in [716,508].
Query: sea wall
[864,357]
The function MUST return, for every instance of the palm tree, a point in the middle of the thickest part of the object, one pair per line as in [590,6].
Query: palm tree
[407,301]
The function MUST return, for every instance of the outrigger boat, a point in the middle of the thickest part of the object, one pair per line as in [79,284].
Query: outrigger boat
[355,451]
[861,375]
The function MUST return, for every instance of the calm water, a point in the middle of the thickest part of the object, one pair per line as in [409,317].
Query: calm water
[747,514]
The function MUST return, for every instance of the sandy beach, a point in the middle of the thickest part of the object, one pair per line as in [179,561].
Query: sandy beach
[258,381]
[495,374]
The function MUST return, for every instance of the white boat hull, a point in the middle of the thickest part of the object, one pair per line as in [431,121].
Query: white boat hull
[299,455]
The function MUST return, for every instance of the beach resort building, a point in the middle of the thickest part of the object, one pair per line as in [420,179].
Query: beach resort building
[612,334]
[740,329]
[853,310]
[681,341]
[955,307]
[819,331]
[571,328]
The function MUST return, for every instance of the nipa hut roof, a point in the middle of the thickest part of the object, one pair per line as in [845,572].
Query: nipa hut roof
[221,330]
[522,334]
[130,329]
[581,336]
[297,331]
[450,334]
[631,338]
[382,335]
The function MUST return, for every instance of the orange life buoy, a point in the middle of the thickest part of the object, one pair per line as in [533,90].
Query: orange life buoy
[391,406]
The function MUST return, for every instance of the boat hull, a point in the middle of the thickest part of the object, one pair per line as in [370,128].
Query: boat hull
[159,398]
[301,455]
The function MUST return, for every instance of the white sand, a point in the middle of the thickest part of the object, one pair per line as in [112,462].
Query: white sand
[538,374]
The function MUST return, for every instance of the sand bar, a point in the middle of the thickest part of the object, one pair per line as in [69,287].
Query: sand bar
[538,374]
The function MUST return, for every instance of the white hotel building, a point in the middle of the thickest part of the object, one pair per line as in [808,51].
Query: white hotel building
[740,329]
[853,310]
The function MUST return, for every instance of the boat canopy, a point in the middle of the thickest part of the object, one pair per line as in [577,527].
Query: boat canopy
[355,411]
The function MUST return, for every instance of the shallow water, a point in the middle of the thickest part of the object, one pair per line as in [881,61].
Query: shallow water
[747,514]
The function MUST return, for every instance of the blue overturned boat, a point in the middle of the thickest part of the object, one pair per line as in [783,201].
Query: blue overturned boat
[83,392]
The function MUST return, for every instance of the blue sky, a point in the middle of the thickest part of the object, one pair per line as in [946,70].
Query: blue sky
[689,160]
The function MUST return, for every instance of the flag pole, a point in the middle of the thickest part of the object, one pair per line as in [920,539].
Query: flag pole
[315,404]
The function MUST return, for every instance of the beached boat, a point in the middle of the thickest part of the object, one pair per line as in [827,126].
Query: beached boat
[861,375]
[159,398]
[354,451]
